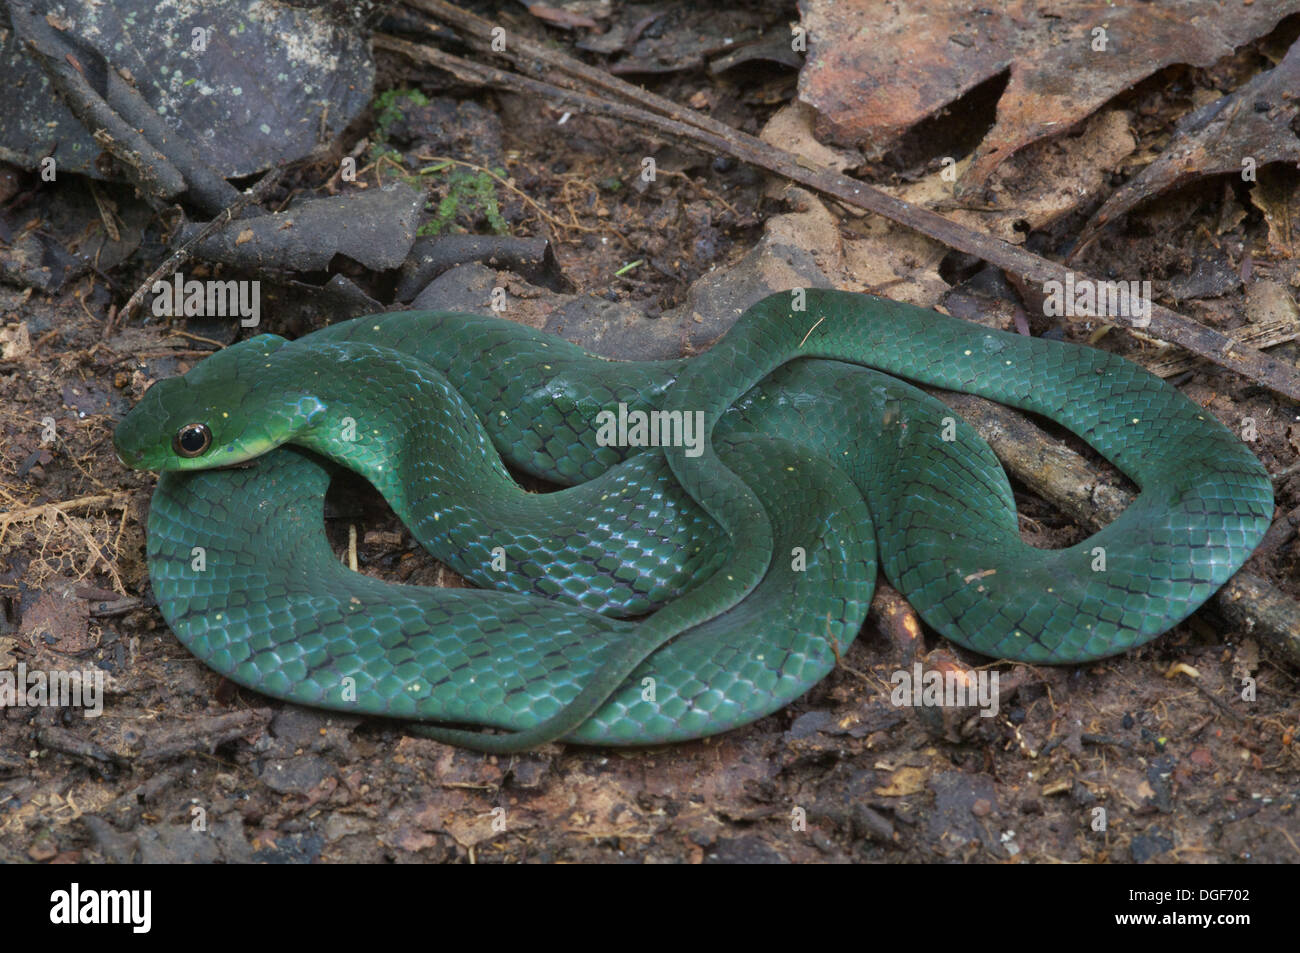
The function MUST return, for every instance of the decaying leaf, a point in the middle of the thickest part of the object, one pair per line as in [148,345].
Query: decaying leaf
[875,69]
[1277,195]
[1240,132]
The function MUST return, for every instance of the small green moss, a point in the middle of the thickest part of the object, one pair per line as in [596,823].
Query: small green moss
[388,109]
[472,191]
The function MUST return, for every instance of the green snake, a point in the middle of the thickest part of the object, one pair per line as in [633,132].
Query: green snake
[666,592]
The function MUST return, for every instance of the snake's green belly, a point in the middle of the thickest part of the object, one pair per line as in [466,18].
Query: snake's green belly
[841,459]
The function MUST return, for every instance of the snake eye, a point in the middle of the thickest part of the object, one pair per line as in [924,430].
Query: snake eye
[192,440]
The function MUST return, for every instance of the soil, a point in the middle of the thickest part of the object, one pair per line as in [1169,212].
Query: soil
[1160,755]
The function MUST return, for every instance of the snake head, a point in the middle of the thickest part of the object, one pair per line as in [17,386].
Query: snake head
[200,420]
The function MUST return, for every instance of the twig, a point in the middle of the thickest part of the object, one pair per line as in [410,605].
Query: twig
[60,739]
[176,258]
[161,161]
[1218,703]
[198,337]
[155,175]
[207,732]
[682,123]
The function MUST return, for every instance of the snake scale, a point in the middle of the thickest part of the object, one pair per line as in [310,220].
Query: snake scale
[664,592]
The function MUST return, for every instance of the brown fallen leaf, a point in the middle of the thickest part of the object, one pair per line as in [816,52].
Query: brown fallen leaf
[15,342]
[1238,133]
[414,841]
[59,619]
[874,70]
[472,829]
[1041,184]
[1278,198]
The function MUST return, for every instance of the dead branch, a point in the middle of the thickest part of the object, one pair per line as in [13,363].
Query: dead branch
[205,733]
[702,132]
[182,254]
[1093,498]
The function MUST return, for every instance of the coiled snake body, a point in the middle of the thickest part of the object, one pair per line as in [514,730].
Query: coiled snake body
[666,593]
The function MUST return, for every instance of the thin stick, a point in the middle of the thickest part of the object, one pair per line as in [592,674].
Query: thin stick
[182,254]
[685,124]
